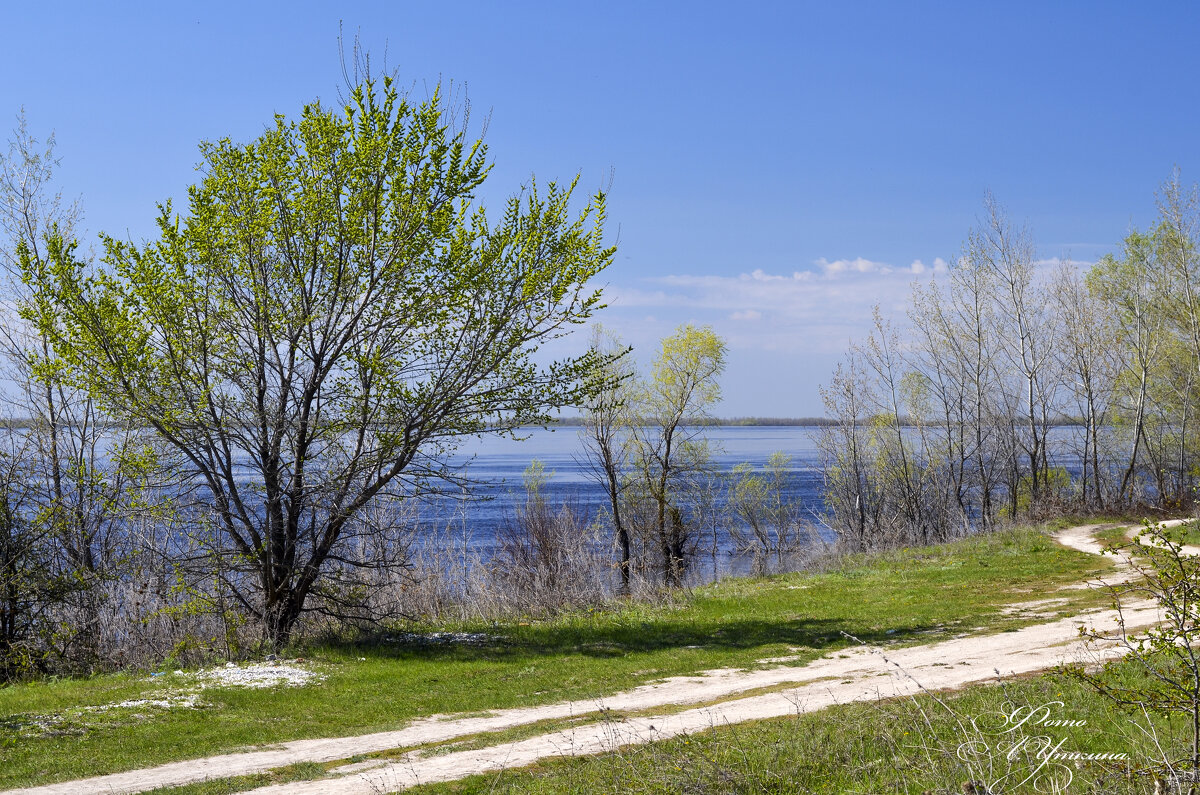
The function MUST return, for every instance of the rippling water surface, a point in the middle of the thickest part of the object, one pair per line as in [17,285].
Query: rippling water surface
[498,464]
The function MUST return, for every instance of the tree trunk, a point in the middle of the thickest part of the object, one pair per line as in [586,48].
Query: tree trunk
[279,620]
[1139,419]
[622,532]
[677,541]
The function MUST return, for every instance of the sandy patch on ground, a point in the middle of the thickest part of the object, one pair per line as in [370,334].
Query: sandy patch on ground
[181,691]
[258,675]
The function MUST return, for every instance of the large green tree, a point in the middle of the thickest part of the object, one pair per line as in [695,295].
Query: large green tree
[331,315]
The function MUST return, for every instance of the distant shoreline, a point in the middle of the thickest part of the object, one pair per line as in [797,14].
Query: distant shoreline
[728,422]
[794,422]
[812,422]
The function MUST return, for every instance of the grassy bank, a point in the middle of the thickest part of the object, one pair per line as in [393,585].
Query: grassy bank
[931,744]
[50,731]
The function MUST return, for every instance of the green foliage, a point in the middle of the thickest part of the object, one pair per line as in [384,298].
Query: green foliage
[336,309]
[682,387]
[1151,288]
[757,499]
[33,581]
[535,479]
[363,220]
[684,374]
[1167,653]
[749,493]
[190,596]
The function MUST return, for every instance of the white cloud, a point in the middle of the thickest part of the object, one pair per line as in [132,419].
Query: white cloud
[620,295]
[786,328]
[791,325]
[918,267]
[818,310]
[858,265]
[758,276]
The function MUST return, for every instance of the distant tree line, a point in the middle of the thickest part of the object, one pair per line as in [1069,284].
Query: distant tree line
[727,422]
[950,424]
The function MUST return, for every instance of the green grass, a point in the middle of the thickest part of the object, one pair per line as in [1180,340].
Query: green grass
[1118,535]
[1114,536]
[303,771]
[902,745]
[298,772]
[1189,533]
[910,596]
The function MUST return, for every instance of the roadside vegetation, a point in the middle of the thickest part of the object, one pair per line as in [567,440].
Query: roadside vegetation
[1128,726]
[903,745]
[383,681]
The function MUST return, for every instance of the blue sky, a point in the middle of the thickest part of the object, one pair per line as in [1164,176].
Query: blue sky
[777,168]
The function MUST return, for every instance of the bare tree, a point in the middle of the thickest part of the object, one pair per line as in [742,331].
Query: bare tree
[1086,352]
[849,485]
[1025,335]
[547,556]
[1176,252]
[84,475]
[605,434]
[969,323]
[937,357]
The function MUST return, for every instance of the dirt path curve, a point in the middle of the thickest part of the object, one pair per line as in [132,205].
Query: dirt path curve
[839,677]
[1083,538]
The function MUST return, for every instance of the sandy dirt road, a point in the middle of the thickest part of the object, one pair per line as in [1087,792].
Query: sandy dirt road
[839,677]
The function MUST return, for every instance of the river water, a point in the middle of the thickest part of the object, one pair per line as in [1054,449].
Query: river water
[497,465]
